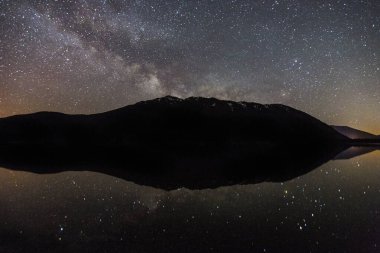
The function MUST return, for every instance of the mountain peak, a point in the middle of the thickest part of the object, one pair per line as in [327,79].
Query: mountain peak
[169,98]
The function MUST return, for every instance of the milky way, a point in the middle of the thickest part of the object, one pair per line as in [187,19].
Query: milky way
[90,56]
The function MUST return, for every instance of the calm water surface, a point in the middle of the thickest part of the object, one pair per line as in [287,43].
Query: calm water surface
[335,208]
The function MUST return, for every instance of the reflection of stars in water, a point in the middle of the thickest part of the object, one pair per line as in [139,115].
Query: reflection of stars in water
[78,206]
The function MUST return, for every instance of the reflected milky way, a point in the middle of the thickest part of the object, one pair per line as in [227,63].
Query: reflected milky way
[334,208]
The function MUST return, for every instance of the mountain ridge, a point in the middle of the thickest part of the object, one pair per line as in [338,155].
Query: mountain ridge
[195,118]
[354,133]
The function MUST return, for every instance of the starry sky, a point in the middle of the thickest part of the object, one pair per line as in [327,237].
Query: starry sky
[87,56]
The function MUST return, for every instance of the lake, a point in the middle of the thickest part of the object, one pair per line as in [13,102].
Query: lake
[334,208]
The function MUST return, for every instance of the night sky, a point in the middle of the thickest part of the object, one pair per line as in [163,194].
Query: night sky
[81,56]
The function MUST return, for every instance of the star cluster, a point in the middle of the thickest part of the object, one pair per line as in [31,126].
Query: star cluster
[82,56]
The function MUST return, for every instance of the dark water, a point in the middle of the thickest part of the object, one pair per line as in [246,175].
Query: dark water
[334,208]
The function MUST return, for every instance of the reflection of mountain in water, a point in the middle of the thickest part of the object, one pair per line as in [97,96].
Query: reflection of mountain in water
[355,151]
[202,168]
[171,143]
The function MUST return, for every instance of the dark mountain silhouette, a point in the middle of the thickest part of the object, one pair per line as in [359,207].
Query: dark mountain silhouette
[168,121]
[355,133]
[171,142]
